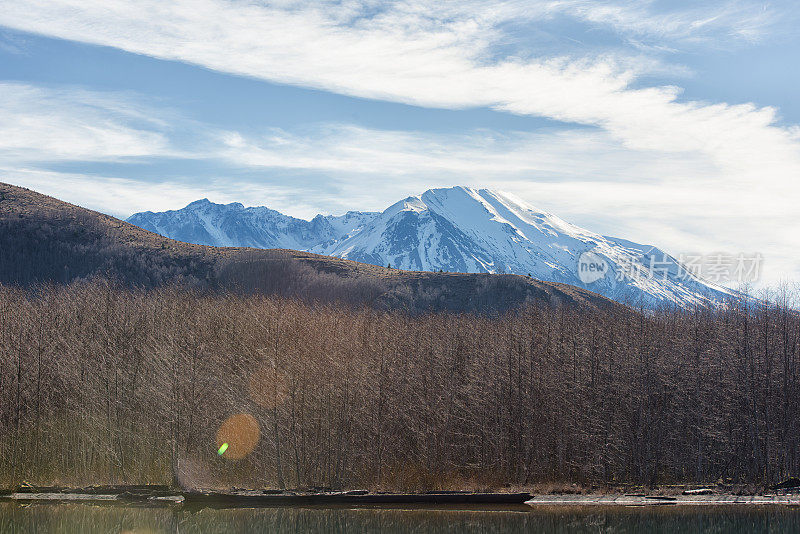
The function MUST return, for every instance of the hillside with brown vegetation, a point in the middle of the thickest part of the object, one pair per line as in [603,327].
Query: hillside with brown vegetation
[46,240]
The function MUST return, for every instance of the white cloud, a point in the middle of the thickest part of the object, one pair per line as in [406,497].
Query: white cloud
[434,54]
[708,22]
[53,124]
[556,153]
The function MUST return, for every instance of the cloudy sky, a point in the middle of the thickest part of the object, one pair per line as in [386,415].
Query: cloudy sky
[668,122]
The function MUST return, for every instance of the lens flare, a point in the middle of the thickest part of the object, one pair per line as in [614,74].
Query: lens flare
[237,436]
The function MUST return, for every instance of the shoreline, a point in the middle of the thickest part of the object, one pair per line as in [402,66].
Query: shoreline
[662,500]
[244,499]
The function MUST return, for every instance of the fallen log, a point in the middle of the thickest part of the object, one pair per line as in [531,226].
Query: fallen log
[789,483]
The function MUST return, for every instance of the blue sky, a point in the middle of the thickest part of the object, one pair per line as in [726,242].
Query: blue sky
[671,123]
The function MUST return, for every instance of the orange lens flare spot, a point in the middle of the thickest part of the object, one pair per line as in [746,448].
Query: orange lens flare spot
[240,433]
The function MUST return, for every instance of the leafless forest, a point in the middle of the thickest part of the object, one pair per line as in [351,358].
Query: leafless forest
[104,385]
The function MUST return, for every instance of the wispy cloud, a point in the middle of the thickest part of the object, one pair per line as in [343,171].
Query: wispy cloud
[552,154]
[710,22]
[429,54]
[52,124]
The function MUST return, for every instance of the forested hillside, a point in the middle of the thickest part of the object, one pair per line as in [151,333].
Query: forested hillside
[101,384]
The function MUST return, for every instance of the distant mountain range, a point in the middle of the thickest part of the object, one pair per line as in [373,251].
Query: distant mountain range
[457,229]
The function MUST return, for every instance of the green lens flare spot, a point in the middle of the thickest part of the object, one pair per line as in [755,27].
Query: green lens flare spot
[222,449]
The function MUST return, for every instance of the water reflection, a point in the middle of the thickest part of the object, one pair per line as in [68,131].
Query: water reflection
[86,518]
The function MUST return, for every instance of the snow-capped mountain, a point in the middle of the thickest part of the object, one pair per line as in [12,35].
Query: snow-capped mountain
[457,229]
[233,225]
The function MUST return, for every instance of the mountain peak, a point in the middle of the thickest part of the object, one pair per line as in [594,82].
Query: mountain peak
[483,196]
[413,203]
[198,203]
[452,189]
[456,229]
[204,202]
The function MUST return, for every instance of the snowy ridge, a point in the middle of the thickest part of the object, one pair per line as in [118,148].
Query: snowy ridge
[456,229]
[232,225]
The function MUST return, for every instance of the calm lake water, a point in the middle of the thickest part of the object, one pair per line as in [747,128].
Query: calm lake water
[668,519]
